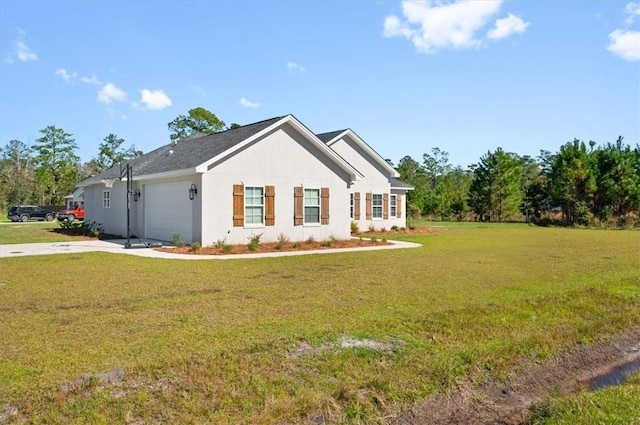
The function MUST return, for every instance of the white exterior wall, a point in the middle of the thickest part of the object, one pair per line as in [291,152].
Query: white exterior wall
[376,180]
[283,159]
[112,220]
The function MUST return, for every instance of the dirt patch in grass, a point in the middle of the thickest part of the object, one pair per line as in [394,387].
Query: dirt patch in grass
[511,402]
[277,247]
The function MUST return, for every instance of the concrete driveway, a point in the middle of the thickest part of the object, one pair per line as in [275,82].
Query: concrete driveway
[116,246]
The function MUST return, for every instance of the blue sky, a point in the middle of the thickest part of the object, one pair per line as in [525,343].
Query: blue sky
[464,76]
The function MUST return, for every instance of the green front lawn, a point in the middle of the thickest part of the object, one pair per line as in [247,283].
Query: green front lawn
[271,340]
[32,232]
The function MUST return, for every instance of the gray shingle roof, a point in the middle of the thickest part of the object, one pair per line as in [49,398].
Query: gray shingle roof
[399,184]
[327,137]
[188,153]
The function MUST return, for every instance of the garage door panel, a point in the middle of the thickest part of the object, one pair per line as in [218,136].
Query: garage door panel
[168,211]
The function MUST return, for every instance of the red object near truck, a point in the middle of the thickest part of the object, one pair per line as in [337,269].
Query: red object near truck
[77,213]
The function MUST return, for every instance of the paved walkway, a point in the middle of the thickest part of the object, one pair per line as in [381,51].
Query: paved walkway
[116,246]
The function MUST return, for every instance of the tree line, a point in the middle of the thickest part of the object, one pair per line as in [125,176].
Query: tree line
[45,172]
[580,184]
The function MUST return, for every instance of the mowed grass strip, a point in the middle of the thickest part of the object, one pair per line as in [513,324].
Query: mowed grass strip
[259,341]
[31,232]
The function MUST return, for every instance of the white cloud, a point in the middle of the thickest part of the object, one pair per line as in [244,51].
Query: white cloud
[432,25]
[633,10]
[72,76]
[155,100]
[20,51]
[625,44]
[248,104]
[91,80]
[109,93]
[295,66]
[507,27]
[24,53]
[65,75]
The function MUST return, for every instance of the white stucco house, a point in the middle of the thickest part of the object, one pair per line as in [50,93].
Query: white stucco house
[269,178]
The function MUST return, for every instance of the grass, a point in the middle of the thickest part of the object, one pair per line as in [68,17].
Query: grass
[615,405]
[257,341]
[31,232]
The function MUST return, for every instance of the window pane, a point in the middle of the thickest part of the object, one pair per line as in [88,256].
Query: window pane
[351,203]
[254,201]
[253,215]
[377,205]
[253,196]
[312,214]
[312,196]
[393,201]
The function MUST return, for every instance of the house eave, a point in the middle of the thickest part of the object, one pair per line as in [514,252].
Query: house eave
[291,120]
[365,146]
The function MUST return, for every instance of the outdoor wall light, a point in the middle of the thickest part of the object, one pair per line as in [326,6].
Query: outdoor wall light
[136,195]
[193,191]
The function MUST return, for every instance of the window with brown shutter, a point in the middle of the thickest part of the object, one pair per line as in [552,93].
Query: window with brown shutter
[238,205]
[356,206]
[368,207]
[399,207]
[324,205]
[270,205]
[298,206]
[385,206]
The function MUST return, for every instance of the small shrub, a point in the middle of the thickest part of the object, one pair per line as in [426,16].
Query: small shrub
[227,249]
[394,228]
[254,242]
[195,247]
[354,228]
[220,243]
[326,243]
[374,240]
[311,239]
[81,228]
[282,239]
[372,228]
[177,241]
[411,226]
[278,245]
[402,229]
[296,244]
[383,229]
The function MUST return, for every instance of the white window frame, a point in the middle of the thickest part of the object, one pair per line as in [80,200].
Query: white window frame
[393,206]
[248,205]
[305,206]
[106,199]
[352,203]
[379,208]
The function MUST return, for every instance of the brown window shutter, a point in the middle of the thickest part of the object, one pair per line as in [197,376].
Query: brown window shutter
[298,206]
[385,206]
[324,205]
[399,206]
[356,206]
[238,205]
[270,205]
[368,206]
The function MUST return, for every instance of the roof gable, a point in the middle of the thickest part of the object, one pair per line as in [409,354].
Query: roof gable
[333,137]
[195,153]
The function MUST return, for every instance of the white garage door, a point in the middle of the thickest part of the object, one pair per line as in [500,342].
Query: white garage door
[167,211]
